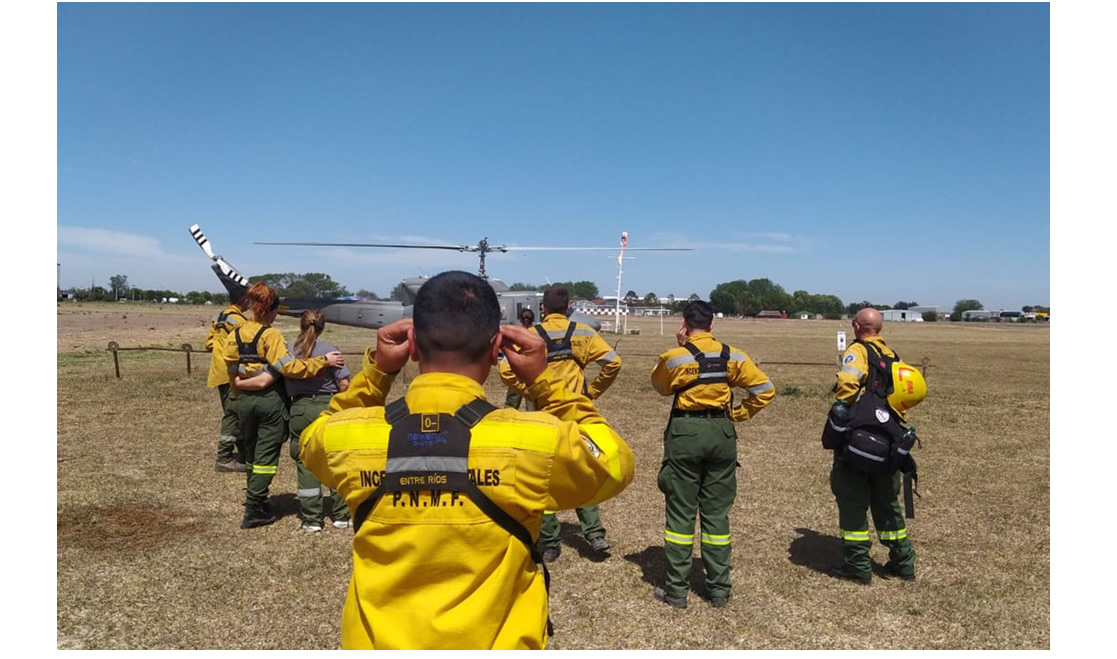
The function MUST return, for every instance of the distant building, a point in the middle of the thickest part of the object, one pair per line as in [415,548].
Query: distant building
[941,311]
[902,315]
[771,314]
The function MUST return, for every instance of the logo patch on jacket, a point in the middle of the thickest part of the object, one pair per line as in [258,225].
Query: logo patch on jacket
[849,358]
[882,415]
[593,448]
[429,422]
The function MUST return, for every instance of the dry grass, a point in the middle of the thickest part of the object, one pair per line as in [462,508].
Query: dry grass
[150,554]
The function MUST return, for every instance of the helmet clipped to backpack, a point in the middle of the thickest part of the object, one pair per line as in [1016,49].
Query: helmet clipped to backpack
[908,387]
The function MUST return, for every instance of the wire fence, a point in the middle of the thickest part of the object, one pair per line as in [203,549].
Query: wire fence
[115,348]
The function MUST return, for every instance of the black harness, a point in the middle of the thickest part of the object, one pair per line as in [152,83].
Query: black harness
[224,316]
[711,370]
[431,452]
[561,350]
[249,352]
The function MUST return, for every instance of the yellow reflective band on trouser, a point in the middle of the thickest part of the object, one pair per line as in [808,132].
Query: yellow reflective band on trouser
[855,536]
[263,469]
[712,539]
[678,538]
[893,535]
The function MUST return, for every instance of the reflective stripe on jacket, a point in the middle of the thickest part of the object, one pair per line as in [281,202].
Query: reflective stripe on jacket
[273,349]
[677,369]
[587,347]
[228,320]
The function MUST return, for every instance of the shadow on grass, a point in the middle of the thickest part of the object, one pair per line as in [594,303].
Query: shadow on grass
[570,534]
[814,550]
[653,564]
[284,505]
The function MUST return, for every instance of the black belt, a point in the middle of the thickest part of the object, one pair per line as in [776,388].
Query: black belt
[705,414]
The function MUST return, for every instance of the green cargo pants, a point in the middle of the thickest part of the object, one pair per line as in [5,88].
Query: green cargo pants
[698,476]
[589,517]
[229,443]
[303,412]
[263,425]
[857,492]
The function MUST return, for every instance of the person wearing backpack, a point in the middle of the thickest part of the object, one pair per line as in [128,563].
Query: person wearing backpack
[871,445]
[571,347]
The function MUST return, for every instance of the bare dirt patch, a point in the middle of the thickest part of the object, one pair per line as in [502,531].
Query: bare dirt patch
[125,528]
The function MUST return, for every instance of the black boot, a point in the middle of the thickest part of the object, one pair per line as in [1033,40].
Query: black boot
[256,515]
[843,572]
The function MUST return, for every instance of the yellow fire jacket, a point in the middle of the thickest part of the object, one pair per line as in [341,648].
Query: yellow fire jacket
[855,369]
[430,570]
[677,368]
[273,348]
[587,347]
[228,320]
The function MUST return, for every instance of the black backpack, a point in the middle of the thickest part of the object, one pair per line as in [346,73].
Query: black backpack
[875,438]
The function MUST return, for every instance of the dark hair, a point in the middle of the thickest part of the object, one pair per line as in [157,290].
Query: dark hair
[528,311]
[556,299]
[456,312]
[698,315]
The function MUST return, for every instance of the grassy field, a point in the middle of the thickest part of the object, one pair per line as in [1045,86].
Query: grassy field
[150,553]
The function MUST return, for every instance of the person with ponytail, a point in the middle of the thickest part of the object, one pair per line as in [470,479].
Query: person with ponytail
[256,355]
[309,398]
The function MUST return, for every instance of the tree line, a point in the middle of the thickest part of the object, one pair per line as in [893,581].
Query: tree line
[740,297]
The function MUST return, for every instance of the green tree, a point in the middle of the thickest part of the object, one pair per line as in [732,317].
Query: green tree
[905,305]
[399,293]
[964,305]
[520,286]
[930,316]
[367,294]
[650,299]
[195,297]
[631,295]
[580,290]
[119,284]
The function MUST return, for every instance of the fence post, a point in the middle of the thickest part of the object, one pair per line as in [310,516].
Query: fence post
[113,345]
[186,347]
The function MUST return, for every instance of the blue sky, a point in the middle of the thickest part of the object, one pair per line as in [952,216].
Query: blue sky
[877,151]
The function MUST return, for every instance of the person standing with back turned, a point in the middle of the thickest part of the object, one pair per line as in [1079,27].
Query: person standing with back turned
[226,322]
[447,491]
[869,365]
[570,348]
[257,350]
[698,474]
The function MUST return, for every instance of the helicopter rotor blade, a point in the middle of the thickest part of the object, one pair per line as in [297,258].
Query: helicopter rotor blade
[456,248]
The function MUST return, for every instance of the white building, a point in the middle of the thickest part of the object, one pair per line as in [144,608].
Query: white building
[902,315]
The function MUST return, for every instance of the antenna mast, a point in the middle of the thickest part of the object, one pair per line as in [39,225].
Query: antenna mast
[620,271]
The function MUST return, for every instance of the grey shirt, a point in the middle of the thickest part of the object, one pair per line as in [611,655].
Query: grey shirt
[323,383]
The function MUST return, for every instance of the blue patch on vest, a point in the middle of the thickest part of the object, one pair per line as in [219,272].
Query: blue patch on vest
[425,439]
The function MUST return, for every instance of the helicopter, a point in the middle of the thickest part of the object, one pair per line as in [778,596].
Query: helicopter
[373,314]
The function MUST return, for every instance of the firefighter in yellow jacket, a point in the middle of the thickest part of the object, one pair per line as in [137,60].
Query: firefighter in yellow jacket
[227,321]
[570,348]
[257,349]
[446,491]
[698,474]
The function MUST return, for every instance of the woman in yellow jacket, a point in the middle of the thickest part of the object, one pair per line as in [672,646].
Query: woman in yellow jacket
[252,349]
